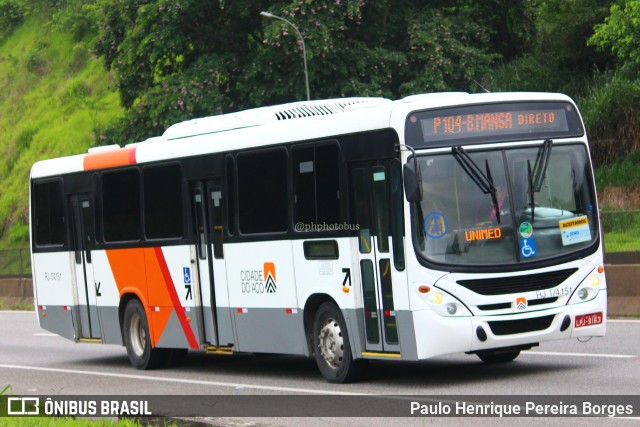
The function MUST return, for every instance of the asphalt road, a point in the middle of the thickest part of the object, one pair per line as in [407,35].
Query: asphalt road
[33,361]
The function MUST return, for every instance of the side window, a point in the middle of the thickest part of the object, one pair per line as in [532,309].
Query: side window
[231,194]
[162,202]
[121,205]
[49,213]
[263,192]
[316,182]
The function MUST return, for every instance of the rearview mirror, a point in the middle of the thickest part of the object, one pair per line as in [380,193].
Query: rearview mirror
[412,182]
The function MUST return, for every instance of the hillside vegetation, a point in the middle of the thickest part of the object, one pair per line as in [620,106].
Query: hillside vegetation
[80,73]
[55,98]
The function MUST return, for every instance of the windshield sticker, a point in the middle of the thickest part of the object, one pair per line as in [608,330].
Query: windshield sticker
[528,248]
[526,230]
[435,225]
[575,230]
[483,234]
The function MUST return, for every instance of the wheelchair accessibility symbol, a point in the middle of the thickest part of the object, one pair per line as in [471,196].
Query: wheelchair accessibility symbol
[528,248]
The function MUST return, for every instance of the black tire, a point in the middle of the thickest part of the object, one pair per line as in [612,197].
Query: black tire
[137,339]
[498,356]
[331,347]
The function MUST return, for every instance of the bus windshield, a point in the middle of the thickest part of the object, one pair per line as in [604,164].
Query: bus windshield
[483,208]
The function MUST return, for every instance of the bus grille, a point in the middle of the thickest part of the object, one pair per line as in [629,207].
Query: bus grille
[509,327]
[507,305]
[517,284]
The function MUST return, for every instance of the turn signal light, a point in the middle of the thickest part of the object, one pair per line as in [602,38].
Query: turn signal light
[424,289]
[601,269]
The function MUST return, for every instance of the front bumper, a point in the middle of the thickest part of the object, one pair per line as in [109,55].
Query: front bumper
[437,335]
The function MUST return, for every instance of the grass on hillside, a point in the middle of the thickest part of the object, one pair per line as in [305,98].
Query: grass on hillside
[55,99]
[622,172]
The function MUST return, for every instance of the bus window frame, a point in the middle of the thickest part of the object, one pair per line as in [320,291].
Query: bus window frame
[183,210]
[140,238]
[65,215]
[289,205]
[294,180]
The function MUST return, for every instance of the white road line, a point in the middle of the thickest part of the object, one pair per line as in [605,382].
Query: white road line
[45,334]
[181,380]
[553,353]
[18,311]
[623,320]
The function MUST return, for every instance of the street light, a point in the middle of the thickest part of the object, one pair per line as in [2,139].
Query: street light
[304,50]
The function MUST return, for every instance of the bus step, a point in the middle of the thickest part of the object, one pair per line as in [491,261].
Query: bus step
[381,355]
[218,350]
[91,340]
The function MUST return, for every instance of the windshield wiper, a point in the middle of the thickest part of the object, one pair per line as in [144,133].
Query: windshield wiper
[537,175]
[484,182]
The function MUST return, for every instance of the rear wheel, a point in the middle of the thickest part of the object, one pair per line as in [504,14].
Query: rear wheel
[138,340]
[331,347]
[498,356]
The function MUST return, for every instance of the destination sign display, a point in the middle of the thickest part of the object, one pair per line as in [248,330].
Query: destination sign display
[494,123]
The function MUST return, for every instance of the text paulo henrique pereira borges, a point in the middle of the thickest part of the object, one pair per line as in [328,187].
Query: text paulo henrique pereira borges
[526,409]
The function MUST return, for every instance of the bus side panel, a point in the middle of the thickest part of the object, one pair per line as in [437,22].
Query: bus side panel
[262,295]
[54,284]
[172,282]
[107,297]
[337,278]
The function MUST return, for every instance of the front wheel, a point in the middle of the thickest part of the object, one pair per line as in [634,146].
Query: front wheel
[498,356]
[138,340]
[331,347]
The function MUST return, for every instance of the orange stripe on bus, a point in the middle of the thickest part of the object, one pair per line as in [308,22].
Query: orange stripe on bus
[110,159]
[137,271]
[158,295]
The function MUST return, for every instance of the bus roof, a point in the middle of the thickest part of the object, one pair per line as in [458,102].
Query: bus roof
[298,121]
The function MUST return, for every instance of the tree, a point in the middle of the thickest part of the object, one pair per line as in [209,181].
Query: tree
[178,59]
[620,33]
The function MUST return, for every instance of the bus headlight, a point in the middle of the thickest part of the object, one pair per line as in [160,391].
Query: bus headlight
[437,297]
[583,294]
[452,308]
[444,304]
[588,289]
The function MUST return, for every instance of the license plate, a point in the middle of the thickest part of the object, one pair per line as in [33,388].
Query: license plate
[589,319]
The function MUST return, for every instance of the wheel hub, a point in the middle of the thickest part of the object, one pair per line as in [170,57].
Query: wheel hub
[331,343]
[138,335]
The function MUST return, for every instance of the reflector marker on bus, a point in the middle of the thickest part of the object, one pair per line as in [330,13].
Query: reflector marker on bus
[242,310]
[291,311]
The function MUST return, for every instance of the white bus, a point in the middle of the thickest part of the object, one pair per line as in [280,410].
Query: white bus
[343,230]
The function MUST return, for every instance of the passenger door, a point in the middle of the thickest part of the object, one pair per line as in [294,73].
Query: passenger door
[87,289]
[371,190]
[206,199]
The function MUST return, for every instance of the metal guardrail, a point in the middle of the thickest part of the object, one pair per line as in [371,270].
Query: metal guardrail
[15,262]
